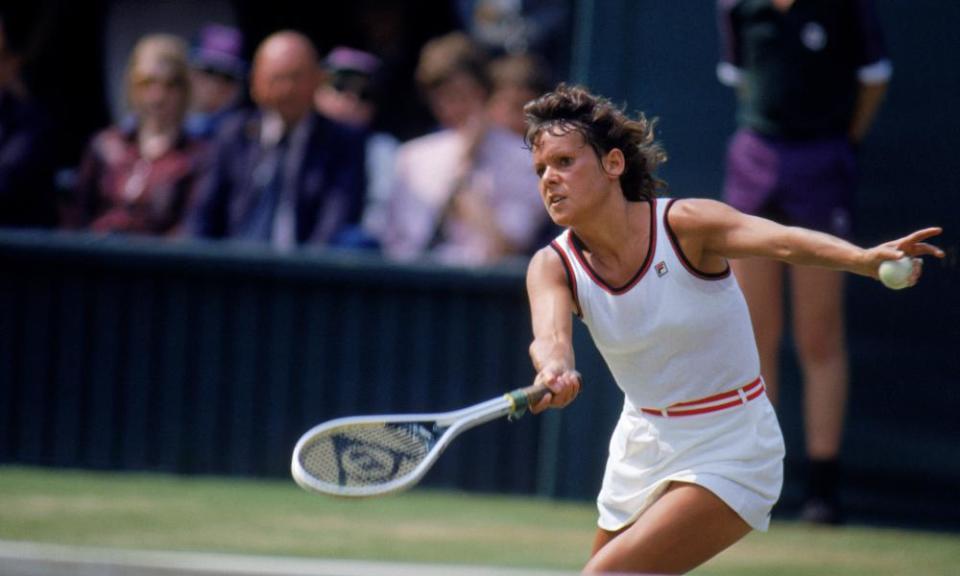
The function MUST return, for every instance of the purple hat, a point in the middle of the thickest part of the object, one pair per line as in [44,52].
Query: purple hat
[343,59]
[219,49]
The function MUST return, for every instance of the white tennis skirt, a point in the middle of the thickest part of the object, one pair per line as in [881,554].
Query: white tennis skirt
[735,453]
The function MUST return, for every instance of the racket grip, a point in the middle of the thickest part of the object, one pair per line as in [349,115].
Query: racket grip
[523,398]
[534,393]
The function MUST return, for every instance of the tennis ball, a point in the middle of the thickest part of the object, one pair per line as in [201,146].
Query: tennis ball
[895,274]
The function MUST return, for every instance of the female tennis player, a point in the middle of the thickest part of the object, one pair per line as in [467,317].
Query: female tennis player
[695,460]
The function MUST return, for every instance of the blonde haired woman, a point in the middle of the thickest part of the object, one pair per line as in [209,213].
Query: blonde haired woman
[139,176]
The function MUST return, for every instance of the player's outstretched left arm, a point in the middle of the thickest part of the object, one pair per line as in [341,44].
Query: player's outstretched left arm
[711,231]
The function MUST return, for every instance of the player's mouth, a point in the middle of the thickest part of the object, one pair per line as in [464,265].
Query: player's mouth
[554,200]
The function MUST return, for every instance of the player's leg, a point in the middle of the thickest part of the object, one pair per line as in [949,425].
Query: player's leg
[602,538]
[762,285]
[684,528]
[819,332]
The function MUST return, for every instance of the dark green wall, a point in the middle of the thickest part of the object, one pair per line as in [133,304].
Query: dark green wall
[193,359]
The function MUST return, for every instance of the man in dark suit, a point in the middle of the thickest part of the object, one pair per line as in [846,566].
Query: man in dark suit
[282,174]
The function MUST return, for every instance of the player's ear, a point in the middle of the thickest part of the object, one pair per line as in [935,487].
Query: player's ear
[614,162]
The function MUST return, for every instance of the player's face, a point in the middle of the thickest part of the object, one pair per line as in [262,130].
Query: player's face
[572,178]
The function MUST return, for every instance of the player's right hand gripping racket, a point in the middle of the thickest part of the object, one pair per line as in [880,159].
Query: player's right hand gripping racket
[373,455]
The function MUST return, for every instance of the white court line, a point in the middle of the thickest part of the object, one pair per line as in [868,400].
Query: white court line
[34,559]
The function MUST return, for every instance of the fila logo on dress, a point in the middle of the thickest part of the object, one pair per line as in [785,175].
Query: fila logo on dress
[661,269]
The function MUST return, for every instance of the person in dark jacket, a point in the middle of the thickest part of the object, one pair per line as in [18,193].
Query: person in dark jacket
[283,175]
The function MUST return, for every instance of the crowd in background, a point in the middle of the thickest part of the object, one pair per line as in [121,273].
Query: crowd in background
[279,145]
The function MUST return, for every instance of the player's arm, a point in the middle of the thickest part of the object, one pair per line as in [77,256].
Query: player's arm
[711,232]
[551,310]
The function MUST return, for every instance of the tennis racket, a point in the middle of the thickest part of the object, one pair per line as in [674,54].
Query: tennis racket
[374,455]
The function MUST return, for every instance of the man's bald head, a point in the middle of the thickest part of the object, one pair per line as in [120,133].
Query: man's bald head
[286,73]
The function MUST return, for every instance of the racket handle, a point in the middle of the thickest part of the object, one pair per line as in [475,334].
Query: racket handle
[523,398]
[534,393]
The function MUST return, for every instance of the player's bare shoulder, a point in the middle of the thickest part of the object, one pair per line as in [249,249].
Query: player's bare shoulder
[696,225]
[697,216]
[546,266]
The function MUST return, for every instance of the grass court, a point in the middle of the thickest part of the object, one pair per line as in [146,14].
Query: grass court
[276,518]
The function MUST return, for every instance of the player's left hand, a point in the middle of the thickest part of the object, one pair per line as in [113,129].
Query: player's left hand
[912,245]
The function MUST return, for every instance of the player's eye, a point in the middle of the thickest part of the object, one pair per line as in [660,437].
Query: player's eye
[539,169]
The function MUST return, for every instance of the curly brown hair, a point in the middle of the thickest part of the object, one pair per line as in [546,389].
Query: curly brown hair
[604,127]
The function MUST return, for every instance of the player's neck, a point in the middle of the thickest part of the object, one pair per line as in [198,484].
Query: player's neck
[616,243]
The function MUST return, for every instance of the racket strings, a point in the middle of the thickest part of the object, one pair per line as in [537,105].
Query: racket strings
[368,454]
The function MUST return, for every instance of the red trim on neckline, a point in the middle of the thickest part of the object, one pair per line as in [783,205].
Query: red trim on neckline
[651,249]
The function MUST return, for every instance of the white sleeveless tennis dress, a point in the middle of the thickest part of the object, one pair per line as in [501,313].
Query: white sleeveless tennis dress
[680,345]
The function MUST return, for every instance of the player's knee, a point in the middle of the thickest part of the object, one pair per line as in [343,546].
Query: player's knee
[591,569]
[603,564]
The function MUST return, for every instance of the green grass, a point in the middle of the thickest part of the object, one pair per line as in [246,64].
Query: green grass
[162,512]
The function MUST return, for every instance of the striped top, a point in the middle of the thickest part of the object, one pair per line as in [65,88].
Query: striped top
[671,334]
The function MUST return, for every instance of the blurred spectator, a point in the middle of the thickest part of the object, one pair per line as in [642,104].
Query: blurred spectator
[810,77]
[283,174]
[140,176]
[467,194]
[349,95]
[347,92]
[217,72]
[520,27]
[517,79]
[26,154]
[395,32]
